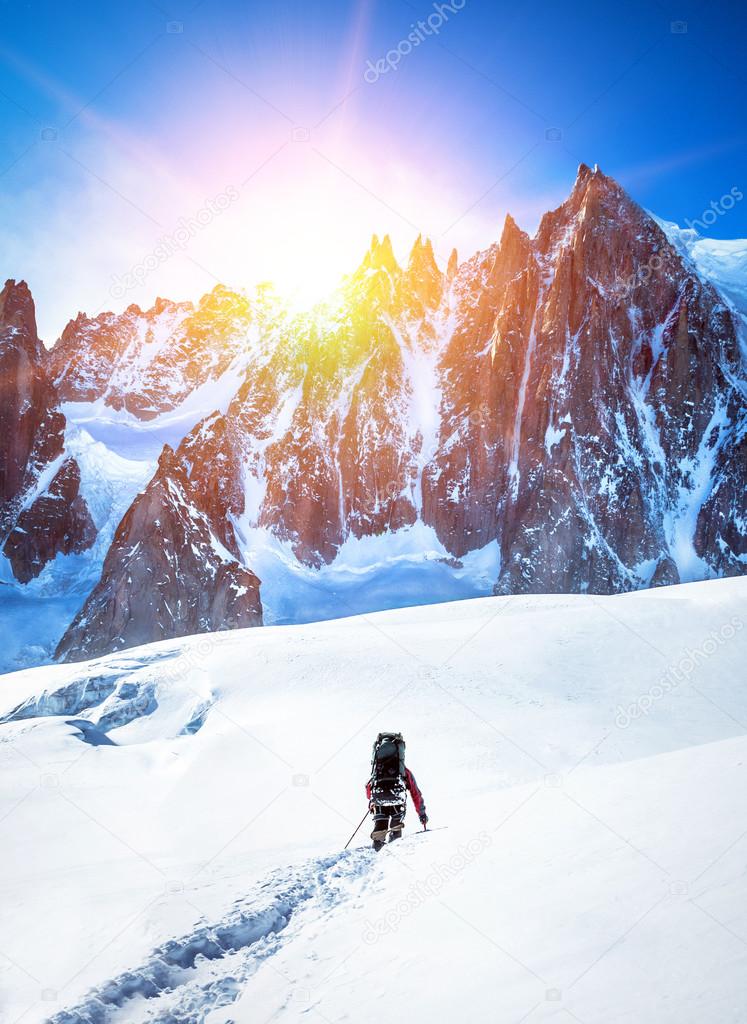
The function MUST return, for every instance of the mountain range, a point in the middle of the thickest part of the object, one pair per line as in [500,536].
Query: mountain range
[559,414]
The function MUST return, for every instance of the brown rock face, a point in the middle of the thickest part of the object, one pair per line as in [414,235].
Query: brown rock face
[583,423]
[31,428]
[41,511]
[721,533]
[58,521]
[465,484]
[166,575]
[324,427]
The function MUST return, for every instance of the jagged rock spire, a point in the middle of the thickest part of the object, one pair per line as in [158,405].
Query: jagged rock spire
[39,517]
[380,254]
[17,309]
[421,258]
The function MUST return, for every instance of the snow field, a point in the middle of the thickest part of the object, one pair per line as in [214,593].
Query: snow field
[587,755]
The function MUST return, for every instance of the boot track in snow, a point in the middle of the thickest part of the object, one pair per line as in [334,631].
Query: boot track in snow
[184,979]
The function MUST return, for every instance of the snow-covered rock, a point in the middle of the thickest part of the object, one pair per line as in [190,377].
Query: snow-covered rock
[569,409]
[149,362]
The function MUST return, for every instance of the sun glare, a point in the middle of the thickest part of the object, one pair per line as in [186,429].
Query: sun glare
[308,223]
[313,230]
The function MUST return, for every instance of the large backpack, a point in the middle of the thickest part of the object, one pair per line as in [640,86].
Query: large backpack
[388,762]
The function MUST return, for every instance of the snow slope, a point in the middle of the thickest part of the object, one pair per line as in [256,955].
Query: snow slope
[132,438]
[723,262]
[587,757]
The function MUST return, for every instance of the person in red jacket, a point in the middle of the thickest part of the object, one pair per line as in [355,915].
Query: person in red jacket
[387,789]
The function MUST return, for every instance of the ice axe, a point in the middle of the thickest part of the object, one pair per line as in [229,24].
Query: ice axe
[347,844]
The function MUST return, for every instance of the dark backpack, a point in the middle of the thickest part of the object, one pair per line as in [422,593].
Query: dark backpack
[388,761]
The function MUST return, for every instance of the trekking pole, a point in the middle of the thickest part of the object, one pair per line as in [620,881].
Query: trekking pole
[347,844]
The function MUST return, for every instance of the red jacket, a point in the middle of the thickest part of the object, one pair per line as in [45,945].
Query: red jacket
[417,796]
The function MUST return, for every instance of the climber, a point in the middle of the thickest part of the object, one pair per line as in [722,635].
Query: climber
[387,789]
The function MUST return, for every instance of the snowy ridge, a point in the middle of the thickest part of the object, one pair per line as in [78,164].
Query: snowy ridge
[124,693]
[722,262]
[148,363]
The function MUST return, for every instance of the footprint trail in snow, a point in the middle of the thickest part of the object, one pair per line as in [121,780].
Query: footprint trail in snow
[185,978]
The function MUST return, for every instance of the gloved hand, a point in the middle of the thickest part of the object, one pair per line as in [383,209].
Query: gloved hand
[423,819]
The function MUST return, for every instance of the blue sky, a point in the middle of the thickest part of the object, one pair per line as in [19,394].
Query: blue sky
[121,123]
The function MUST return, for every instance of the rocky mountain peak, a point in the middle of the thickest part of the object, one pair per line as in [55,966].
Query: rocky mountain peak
[584,174]
[148,362]
[167,461]
[596,203]
[17,310]
[164,305]
[380,256]
[41,511]
[593,180]
[219,300]
[422,280]
[421,254]
[514,246]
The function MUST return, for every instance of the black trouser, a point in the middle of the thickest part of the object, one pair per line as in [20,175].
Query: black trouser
[388,819]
